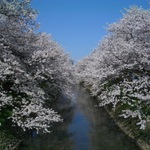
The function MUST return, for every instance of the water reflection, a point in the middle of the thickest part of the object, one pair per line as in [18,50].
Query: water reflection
[80,128]
[85,127]
[103,133]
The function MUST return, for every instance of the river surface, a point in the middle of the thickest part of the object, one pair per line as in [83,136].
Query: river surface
[85,127]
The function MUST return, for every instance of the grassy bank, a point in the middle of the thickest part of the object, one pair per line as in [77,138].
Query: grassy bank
[142,137]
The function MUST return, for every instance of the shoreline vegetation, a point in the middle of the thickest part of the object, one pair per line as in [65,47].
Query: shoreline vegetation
[125,126]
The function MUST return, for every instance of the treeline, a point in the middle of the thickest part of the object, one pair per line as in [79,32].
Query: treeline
[34,70]
[117,72]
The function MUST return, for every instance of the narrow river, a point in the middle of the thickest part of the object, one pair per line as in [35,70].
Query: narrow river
[85,127]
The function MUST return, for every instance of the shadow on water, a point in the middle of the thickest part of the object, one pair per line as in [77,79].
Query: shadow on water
[59,138]
[85,127]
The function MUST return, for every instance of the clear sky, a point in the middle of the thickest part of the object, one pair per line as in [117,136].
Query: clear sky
[79,25]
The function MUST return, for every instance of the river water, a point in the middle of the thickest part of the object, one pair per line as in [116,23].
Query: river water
[85,127]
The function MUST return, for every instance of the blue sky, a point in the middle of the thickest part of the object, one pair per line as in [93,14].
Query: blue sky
[79,25]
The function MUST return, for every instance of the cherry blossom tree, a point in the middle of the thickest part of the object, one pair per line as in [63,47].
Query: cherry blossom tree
[118,71]
[33,69]
[53,64]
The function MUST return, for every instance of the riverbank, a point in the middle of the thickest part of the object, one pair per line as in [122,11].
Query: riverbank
[141,137]
[132,132]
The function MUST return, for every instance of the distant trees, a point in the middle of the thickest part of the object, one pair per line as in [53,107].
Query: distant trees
[33,69]
[118,71]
